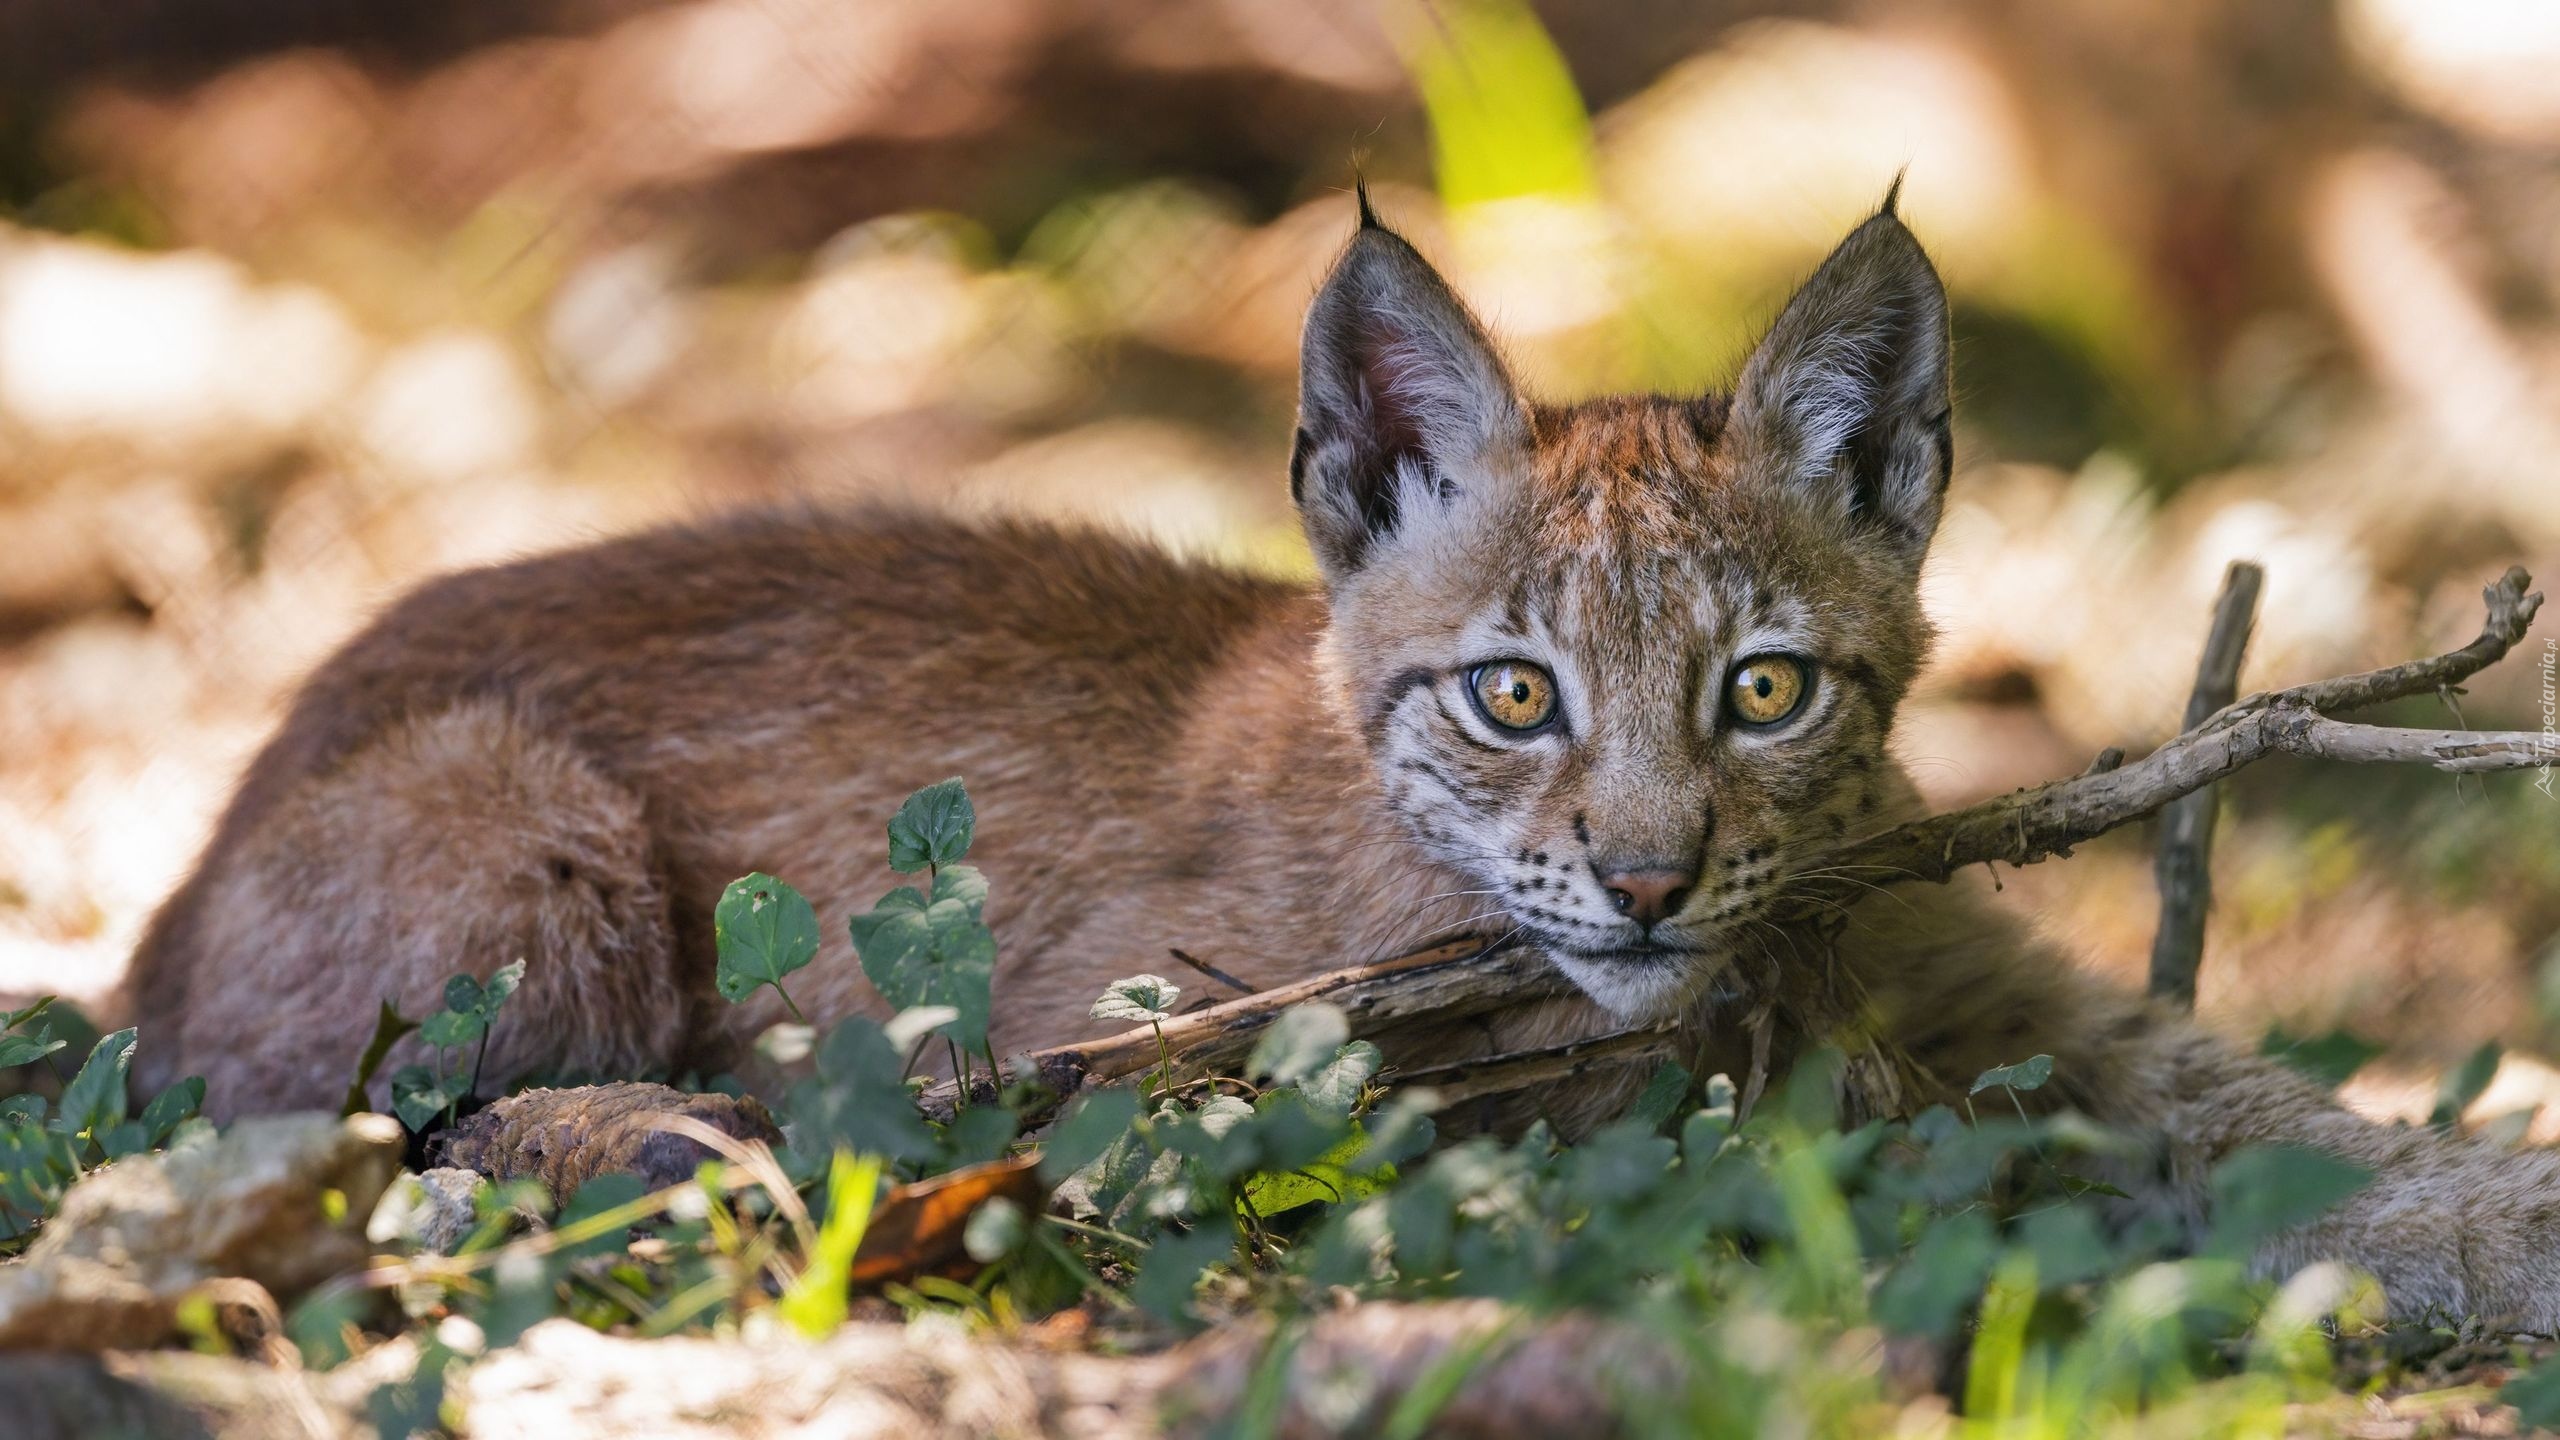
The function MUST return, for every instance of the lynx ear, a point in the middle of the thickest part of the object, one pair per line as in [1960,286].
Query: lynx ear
[1846,398]
[1401,401]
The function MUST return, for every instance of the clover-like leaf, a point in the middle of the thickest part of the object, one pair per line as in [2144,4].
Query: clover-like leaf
[453,1029]
[503,982]
[763,930]
[1138,1000]
[938,953]
[418,1097]
[462,994]
[934,827]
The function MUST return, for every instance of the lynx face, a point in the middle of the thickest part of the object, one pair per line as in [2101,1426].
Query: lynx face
[1628,665]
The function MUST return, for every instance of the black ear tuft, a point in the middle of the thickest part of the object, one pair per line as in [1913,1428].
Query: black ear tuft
[1846,400]
[1893,195]
[1368,213]
[1399,392]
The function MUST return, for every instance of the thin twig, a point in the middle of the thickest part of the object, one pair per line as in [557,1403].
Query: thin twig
[1213,972]
[2046,820]
[2184,866]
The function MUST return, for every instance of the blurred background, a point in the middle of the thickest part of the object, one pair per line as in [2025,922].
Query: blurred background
[301,302]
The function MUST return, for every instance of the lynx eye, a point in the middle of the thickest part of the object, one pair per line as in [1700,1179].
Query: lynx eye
[1766,689]
[1513,694]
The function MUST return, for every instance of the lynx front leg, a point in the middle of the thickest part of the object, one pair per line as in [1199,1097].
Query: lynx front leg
[2447,1224]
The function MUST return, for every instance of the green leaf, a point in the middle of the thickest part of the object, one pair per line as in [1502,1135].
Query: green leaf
[1324,1180]
[172,1107]
[2536,1396]
[388,1026]
[462,995]
[933,827]
[31,1010]
[2264,1190]
[417,1097]
[1174,1265]
[1931,1289]
[764,930]
[978,1134]
[1662,1095]
[2027,1074]
[1098,1119]
[857,1100]
[598,1195]
[2328,1059]
[122,1139]
[2067,1245]
[1336,1089]
[95,1098]
[1303,1039]
[453,1029]
[1620,1162]
[2464,1084]
[503,982]
[937,954]
[1139,1000]
[18,1050]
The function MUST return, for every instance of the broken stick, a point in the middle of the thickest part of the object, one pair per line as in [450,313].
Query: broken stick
[2184,868]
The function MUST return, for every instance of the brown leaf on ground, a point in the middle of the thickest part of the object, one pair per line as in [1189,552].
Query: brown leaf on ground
[918,1228]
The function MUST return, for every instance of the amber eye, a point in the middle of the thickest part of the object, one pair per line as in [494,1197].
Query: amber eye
[1766,689]
[1513,694]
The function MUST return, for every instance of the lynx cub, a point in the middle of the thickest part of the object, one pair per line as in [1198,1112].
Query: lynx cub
[1604,675]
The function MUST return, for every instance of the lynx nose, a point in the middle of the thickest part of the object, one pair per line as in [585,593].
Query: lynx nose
[1646,896]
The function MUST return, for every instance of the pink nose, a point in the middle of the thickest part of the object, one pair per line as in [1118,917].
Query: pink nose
[1646,896]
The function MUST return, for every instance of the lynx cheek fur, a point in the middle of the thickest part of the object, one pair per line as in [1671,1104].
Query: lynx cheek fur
[1608,676]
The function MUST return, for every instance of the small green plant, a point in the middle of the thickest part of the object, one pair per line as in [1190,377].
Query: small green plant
[422,1093]
[931,946]
[763,930]
[1142,1000]
[46,1146]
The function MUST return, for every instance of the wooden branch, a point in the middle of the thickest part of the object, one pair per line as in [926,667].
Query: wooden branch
[1520,1069]
[1472,977]
[2184,868]
[2049,819]
[1461,978]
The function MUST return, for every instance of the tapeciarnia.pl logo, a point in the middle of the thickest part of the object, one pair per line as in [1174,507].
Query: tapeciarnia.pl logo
[2550,713]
